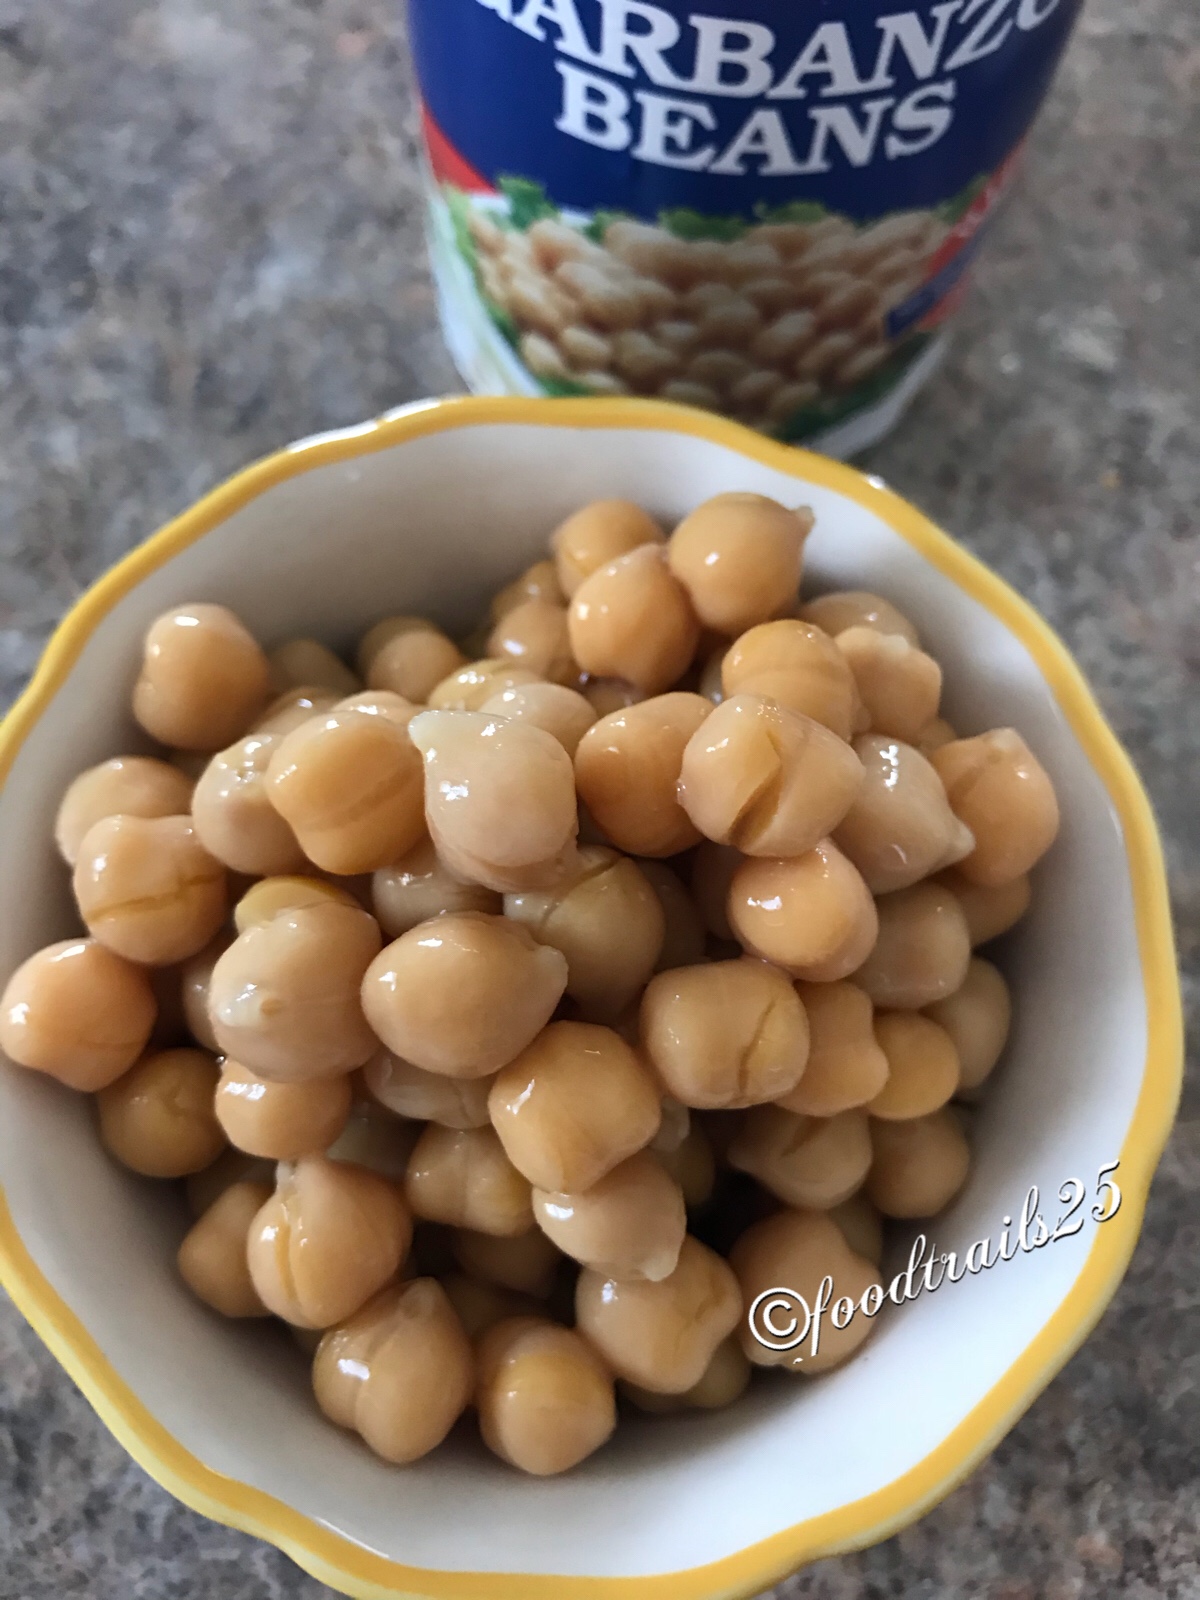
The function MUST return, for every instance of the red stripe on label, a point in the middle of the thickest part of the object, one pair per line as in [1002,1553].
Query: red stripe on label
[969,224]
[448,166]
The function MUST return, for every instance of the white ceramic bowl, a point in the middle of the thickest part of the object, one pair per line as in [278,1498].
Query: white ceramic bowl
[430,510]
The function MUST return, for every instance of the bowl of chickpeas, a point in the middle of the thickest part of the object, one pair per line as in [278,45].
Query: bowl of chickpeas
[494,896]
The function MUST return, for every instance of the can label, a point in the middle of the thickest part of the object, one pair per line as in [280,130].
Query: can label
[768,209]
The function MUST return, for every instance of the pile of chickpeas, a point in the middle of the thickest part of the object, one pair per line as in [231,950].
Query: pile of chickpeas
[518,1011]
[760,327]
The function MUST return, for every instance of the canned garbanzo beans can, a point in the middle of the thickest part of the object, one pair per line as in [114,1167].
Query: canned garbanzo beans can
[765,207]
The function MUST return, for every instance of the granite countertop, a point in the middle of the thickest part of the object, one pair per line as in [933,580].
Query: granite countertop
[210,243]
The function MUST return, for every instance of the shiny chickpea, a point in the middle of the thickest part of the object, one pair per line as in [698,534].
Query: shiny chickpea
[713,867]
[418,887]
[480,1306]
[812,915]
[633,620]
[627,768]
[630,1224]
[534,635]
[739,556]
[922,952]
[131,786]
[463,994]
[499,799]
[526,1264]
[725,1035]
[683,930]
[329,1238]
[212,1258]
[918,1166]
[464,1178]
[467,688]
[766,780]
[357,827]
[380,703]
[203,679]
[399,1372]
[861,1225]
[573,1105]
[557,710]
[798,666]
[846,1067]
[856,608]
[900,827]
[147,888]
[1002,792]
[803,1161]
[899,685]
[597,534]
[284,998]
[158,1119]
[977,1017]
[989,912]
[281,1121]
[413,661]
[544,1397]
[606,695]
[78,1013]
[692,1165]
[661,1336]
[381,632]
[797,1250]
[267,898]
[608,924]
[923,1066]
[377,1139]
[293,707]
[421,1096]
[538,582]
[233,815]
[301,663]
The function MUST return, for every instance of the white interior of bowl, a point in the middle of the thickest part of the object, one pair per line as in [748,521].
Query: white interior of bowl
[434,525]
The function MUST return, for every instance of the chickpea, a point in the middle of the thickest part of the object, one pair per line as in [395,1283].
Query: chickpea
[923,1066]
[281,1121]
[725,1380]
[900,686]
[480,1306]
[856,608]
[557,710]
[538,582]
[632,619]
[812,915]
[233,815]
[132,786]
[627,767]
[1002,792]
[295,706]
[329,1238]
[77,1012]
[357,827]
[203,679]
[597,534]
[713,867]
[861,1225]
[739,557]
[147,888]
[900,827]
[661,1336]
[725,1035]
[467,688]
[301,663]
[977,1018]
[284,998]
[212,1258]
[264,900]
[463,994]
[606,695]
[607,922]
[544,1397]
[803,1161]
[797,1250]
[158,1119]
[410,1091]
[846,1067]
[934,735]
[419,887]
[766,780]
[378,1140]
[918,1165]
[800,667]
[464,1178]
[413,660]
[499,799]
[380,703]
[534,634]
[692,1165]
[989,912]
[630,1224]
[526,1264]
[399,1373]
[683,936]
[922,952]
[573,1105]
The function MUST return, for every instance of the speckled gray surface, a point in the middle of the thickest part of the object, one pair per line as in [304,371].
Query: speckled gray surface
[209,244]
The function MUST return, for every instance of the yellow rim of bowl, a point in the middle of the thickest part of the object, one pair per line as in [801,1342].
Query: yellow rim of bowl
[340,1562]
